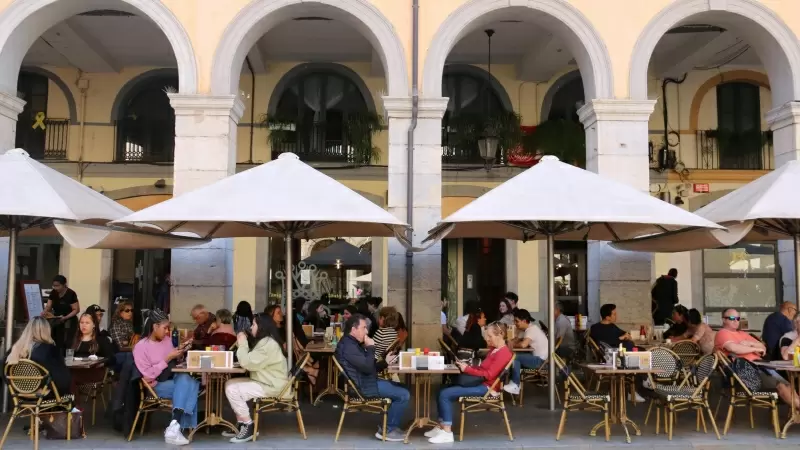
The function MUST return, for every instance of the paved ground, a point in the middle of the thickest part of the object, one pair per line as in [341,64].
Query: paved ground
[533,427]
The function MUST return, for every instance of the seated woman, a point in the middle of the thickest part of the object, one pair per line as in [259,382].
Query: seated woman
[488,371]
[121,330]
[317,316]
[36,344]
[155,356]
[222,330]
[260,353]
[506,315]
[698,332]
[473,336]
[300,340]
[387,331]
[680,322]
[87,342]
[243,317]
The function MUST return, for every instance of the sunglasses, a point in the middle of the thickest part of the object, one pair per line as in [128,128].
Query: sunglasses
[127,310]
[734,318]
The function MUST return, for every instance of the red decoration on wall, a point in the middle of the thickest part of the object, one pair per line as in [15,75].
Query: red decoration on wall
[518,157]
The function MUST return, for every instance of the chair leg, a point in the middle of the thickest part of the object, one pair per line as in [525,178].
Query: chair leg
[670,421]
[255,422]
[719,402]
[300,423]
[461,430]
[94,407]
[775,419]
[729,418]
[69,425]
[8,427]
[133,427]
[658,419]
[508,424]
[607,424]
[144,421]
[561,424]
[385,418]
[35,430]
[752,422]
[341,421]
[649,407]
[711,417]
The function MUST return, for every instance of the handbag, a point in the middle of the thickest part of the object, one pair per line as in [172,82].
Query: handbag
[465,380]
[54,425]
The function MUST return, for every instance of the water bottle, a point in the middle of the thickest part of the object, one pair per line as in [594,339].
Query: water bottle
[175,337]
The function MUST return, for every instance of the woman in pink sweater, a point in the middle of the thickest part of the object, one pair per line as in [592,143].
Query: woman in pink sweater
[154,357]
[489,370]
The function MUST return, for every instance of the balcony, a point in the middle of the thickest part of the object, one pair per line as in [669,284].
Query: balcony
[319,142]
[734,151]
[141,140]
[453,153]
[49,143]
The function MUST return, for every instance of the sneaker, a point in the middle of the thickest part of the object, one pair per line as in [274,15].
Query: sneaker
[511,388]
[636,399]
[230,434]
[246,433]
[173,434]
[392,436]
[442,438]
[434,432]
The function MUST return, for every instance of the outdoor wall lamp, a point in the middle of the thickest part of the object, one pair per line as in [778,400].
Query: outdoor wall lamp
[487,145]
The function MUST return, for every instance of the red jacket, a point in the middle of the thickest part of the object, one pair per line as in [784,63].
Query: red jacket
[491,367]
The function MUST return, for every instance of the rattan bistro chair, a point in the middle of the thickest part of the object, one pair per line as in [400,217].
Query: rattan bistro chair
[671,374]
[282,402]
[538,376]
[149,402]
[488,401]
[354,401]
[33,392]
[745,391]
[577,398]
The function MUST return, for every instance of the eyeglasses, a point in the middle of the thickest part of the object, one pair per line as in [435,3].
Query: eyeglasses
[734,318]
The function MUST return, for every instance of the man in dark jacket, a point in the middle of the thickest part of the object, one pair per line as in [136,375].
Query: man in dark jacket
[356,354]
[665,296]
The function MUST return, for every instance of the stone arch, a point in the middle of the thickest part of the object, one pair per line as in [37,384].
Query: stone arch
[547,101]
[477,72]
[582,39]
[259,16]
[73,110]
[748,76]
[129,89]
[770,37]
[22,22]
[302,69]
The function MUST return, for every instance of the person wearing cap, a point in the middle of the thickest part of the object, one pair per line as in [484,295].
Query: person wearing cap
[97,312]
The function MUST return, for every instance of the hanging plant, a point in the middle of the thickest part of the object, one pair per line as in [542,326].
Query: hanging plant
[281,130]
[358,130]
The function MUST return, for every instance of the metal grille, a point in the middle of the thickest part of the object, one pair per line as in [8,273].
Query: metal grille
[745,151]
[312,143]
[141,140]
[56,138]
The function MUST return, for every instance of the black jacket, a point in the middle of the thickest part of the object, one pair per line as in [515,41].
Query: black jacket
[359,364]
[473,338]
[50,357]
[124,400]
[665,296]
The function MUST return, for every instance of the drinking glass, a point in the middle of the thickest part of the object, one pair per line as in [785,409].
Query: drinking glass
[70,356]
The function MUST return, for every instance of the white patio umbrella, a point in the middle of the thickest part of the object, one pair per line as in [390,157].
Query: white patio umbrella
[31,196]
[88,236]
[763,210]
[553,200]
[284,198]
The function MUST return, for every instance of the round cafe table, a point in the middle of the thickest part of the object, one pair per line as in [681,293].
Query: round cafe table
[215,391]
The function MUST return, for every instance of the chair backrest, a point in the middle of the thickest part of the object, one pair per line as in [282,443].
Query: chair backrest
[29,380]
[500,377]
[705,367]
[452,341]
[393,347]
[294,373]
[447,350]
[687,351]
[570,380]
[147,390]
[743,373]
[350,383]
[595,349]
[558,343]
[667,361]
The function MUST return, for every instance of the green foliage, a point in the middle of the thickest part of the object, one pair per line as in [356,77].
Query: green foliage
[562,138]
[464,130]
[359,129]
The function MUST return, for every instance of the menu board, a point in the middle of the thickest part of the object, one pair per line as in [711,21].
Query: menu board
[32,298]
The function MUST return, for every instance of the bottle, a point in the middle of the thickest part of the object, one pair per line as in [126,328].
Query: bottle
[175,339]
[796,357]
[642,332]
[578,321]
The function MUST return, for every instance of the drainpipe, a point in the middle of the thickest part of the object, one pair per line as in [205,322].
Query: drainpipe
[252,104]
[410,153]
[83,86]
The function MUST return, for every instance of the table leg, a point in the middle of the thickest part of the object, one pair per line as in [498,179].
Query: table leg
[618,413]
[213,403]
[623,413]
[794,414]
[333,383]
[422,402]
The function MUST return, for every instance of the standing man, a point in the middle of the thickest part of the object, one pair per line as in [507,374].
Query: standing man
[564,332]
[665,296]
[356,353]
[776,325]
[528,336]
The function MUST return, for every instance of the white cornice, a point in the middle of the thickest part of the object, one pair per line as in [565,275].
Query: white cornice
[429,108]
[616,110]
[11,105]
[783,116]
[207,105]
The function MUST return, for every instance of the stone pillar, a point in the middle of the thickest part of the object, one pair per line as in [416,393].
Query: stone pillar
[10,108]
[427,209]
[378,257]
[784,121]
[251,272]
[205,152]
[523,274]
[617,148]
[89,274]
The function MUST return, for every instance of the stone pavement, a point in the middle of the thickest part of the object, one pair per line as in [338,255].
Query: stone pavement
[533,427]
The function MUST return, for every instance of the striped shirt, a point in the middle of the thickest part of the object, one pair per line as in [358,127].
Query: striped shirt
[384,338]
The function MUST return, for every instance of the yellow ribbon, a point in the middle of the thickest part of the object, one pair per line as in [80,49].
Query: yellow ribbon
[39,121]
[739,256]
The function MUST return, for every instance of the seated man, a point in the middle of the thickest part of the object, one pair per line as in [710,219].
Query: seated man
[607,331]
[739,344]
[356,354]
[529,335]
[205,326]
[564,332]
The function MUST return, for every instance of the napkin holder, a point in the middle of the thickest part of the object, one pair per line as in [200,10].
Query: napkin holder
[406,360]
[420,362]
[435,362]
[638,360]
[201,359]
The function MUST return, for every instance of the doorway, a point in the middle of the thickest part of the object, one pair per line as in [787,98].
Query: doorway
[484,273]
[138,276]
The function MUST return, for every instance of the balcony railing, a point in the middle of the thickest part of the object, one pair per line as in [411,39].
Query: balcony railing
[48,143]
[141,140]
[318,143]
[734,151]
[452,154]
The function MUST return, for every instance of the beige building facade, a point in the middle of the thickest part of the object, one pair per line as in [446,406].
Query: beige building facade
[145,99]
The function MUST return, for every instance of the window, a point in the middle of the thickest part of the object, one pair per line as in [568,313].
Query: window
[146,126]
[471,96]
[41,136]
[314,113]
[567,100]
[740,141]
[742,277]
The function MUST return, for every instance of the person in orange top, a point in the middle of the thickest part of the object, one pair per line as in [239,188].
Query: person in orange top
[740,344]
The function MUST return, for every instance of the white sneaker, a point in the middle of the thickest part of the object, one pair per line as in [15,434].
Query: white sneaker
[442,438]
[511,388]
[173,434]
[433,432]
[637,399]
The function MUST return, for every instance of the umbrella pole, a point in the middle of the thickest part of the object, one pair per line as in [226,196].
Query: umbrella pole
[551,301]
[289,310]
[797,268]
[11,295]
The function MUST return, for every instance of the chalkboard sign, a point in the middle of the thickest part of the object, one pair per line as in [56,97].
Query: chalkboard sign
[32,297]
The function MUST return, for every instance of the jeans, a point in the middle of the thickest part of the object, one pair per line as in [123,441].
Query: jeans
[183,390]
[448,395]
[399,396]
[526,360]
